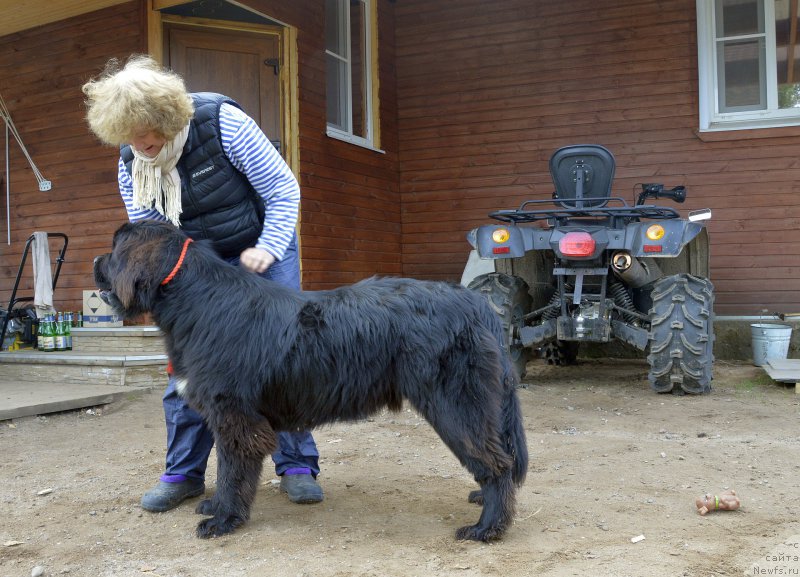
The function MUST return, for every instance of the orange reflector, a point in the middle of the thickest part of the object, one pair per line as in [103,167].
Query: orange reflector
[501,249]
[655,232]
[576,244]
[500,235]
[652,248]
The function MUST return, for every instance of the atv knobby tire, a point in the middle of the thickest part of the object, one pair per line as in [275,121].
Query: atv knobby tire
[508,296]
[681,335]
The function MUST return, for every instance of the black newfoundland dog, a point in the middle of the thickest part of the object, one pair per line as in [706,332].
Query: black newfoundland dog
[257,357]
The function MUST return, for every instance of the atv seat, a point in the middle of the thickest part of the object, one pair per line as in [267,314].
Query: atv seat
[582,175]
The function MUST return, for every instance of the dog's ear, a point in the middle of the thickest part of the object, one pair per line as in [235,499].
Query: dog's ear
[142,255]
[139,269]
[125,287]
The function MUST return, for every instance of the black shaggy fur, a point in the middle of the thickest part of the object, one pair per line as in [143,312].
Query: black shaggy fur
[260,358]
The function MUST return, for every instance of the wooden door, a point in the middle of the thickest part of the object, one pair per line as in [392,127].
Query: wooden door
[241,64]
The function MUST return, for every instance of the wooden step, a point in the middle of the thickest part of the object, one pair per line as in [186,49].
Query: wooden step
[784,371]
[84,368]
[106,364]
[130,340]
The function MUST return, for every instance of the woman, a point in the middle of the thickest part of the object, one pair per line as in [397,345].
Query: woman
[198,161]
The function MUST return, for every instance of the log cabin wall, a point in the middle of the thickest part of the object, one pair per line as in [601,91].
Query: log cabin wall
[41,73]
[485,93]
[488,90]
[350,212]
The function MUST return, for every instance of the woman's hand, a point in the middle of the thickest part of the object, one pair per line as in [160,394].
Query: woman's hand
[256,259]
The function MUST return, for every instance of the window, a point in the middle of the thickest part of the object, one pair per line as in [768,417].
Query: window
[350,36]
[749,63]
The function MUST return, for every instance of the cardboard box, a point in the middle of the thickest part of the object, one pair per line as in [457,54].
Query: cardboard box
[98,314]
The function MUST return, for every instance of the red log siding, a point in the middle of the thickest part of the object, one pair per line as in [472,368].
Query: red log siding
[475,97]
[41,72]
[487,91]
[350,213]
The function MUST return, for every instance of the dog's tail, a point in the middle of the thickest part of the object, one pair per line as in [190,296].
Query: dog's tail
[514,432]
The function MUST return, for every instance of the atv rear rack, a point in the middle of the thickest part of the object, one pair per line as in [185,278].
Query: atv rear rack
[624,211]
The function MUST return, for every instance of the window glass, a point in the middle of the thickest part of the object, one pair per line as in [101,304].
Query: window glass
[349,83]
[739,17]
[741,66]
[336,75]
[335,33]
[749,63]
[786,53]
[358,69]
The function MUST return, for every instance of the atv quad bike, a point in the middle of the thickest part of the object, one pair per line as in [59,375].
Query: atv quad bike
[589,267]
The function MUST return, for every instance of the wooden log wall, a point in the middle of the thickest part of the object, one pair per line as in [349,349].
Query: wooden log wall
[487,92]
[41,73]
[483,98]
[350,212]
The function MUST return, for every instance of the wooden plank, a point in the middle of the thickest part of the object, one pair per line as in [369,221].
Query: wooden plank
[485,98]
[784,371]
[350,194]
[785,365]
[24,399]
[30,13]
[41,71]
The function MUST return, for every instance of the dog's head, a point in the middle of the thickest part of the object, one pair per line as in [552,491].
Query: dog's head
[142,255]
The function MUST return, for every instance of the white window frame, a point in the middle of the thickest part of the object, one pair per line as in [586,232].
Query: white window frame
[711,119]
[369,140]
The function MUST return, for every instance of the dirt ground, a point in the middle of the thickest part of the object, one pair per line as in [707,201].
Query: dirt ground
[610,461]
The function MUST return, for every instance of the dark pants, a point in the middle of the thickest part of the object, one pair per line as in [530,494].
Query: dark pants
[189,441]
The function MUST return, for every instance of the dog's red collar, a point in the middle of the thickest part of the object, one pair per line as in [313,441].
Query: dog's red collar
[178,264]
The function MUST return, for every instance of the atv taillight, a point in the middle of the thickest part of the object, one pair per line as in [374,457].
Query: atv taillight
[655,232]
[500,235]
[576,244]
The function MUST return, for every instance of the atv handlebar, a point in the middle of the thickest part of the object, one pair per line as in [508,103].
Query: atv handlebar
[653,190]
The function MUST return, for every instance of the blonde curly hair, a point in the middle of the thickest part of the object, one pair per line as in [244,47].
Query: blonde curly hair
[141,96]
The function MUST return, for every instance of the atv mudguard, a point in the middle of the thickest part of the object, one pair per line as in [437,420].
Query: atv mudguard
[632,238]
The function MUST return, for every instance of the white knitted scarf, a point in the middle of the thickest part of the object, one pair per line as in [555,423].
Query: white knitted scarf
[151,176]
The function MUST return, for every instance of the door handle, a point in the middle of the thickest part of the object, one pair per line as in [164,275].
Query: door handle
[274,63]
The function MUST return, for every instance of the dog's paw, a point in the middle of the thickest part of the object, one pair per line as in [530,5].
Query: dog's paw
[205,507]
[476,497]
[215,526]
[475,533]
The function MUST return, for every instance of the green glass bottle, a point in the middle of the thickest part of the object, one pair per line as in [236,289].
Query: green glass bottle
[48,335]
[58,333]
[40,333]
[68,331]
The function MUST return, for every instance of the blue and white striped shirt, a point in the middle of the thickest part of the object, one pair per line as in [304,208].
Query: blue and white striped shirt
[249,150]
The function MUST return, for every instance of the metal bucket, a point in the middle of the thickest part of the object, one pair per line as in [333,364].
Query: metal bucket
[770,341]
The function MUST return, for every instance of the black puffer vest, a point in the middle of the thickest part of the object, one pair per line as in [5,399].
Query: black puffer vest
[217,201]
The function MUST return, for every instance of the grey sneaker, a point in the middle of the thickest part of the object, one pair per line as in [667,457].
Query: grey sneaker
[302,489]
[166,496]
